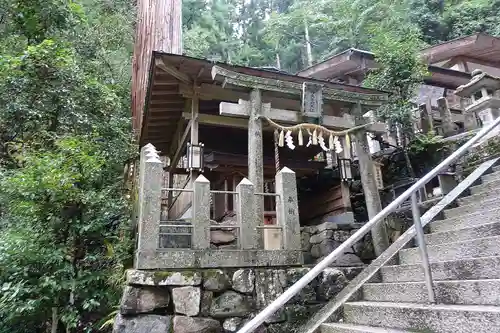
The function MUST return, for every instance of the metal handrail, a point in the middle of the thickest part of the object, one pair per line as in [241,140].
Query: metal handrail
[260,318]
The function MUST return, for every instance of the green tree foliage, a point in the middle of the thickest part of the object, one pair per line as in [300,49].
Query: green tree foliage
[64,139]
[400,71]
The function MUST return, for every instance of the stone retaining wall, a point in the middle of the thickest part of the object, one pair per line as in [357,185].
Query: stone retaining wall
[221,300]
[320,240]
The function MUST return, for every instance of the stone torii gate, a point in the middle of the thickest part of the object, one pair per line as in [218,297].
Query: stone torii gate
[312,95]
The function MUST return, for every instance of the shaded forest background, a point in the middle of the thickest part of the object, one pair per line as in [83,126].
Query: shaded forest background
[65,135]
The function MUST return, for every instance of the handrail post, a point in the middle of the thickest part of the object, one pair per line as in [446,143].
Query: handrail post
[423,247]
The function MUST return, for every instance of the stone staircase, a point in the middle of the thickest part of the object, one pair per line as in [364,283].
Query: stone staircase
[464,251]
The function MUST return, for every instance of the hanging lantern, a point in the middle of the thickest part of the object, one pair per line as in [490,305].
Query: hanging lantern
[195,157]
[344,165]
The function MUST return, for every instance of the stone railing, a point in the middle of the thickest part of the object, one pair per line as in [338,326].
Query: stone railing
[187,243]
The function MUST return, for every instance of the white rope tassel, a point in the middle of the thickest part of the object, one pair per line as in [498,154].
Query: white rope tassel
[281,140]
[338,145]
[289,140]
[315,138]
[300,138]
[310,138]
[321,142]
[331,143]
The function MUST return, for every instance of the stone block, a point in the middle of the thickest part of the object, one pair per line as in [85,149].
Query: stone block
[206,302]
[324,248]
[163,278]
[343,220]
[305,241]
[326,226]
[215,280]
[269,284]
[231,304]
[299,313]
[244,281]
[281,328]
[232,325]
[344,260]
[331,282]
[185,258]
[186,300]
[324,235]
[219,237]
[143,300]
[142,324]
[195,325]
[308,293]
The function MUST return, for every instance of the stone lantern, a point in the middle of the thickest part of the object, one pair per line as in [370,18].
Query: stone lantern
[483,92]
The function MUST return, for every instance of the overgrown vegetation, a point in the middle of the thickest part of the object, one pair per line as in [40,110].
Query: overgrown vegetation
[64,139]
[259,32]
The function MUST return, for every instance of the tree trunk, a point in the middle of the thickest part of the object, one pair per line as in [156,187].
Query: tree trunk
[55,320]
[308,44]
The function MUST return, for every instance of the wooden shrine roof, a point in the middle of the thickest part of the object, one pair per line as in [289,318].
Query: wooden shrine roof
[481,47]
[175,78]
[355,63]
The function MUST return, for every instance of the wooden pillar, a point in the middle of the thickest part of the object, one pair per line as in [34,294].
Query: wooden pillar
[194,131]
[255,153]
[344,186]
[170,195]
[372,196]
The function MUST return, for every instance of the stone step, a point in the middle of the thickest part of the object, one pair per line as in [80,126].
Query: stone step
[462,269]
[465,221]
[438,318]
[486,195]
[482,247]
[495,175]
[464,234]
[468,292]
[472,208]
[350,328]
[485,187]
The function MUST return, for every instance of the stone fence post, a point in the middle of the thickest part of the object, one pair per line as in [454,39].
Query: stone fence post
[287,208]
[150,182]
[246,215]
[447,124]
[201,214]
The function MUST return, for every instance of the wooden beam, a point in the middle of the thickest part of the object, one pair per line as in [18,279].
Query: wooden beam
[213,92]
[228,77]
[165,83]
[171,70]
[158,109]
[180,146]
[157,123]
[160,117]
[164,92]
[165,102]
[293,117]
[214,120]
